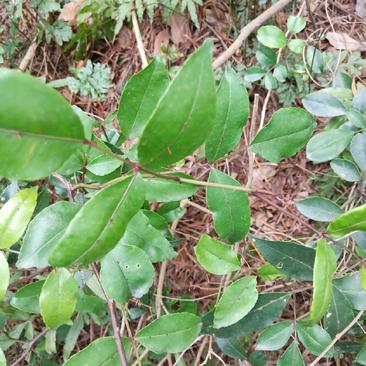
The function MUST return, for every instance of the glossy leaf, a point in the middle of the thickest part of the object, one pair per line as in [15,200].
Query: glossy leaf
[324,267]
[126,271]
[266,56]
[294,260]
[58,298]
[236,302]
[286,134]
[267,309]
[142,234]
[231,211]
[314,338]
[350,287]
[275,336]
[358,150]
[140,96]
[291,357]
[15,216]
[232,111]
[216,257]
[101,352]
[319,208]
[295,24]
[231,347]
[43,233]
[322,104]
[170,333]
[350,221]
[339,314]
[175,128]
[103,165]
[346,170]
[327,145]
[271,36]
[38,128]
[102,222]
[165,190]
[27,298]
[4,275]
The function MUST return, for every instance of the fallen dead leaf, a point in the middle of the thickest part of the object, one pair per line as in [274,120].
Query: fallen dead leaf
[162,37]
[70,11]
[179,28]
[262,175]
[342,41]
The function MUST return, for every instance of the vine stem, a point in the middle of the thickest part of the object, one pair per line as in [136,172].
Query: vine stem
[337,338]
[112,312]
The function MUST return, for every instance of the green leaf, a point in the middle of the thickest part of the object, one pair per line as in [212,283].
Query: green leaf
[319,208]
[322,104]
[103,165]
[27,298]
[271,36]
[269,81]
[2,358]
[296,45]
[346,170]
[295,24]
[358,150]
[339,314]
[324,267]
[363,277]
[266,56]
[101,352]
[43,233]
[275,336]
[280,73]
[140,96]
[170,333]
[232,110]
[165,190]
[175,128]
[253,73]
[216,257]
[231,211]
[15,216]
[268,272]
[39,130]
[350,287]
[292,357]
[294,260]
[314,338]
[126,271]
[236,302]
[142,234]
[353,220]
[4,275]
[357,119]
[231,347]
[101,221]
[72,336]
[268,308]
[361,357]
[327,145]
[58,298]
[286,134]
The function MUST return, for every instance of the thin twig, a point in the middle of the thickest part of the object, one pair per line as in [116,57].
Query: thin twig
[247,30]
[337,338]
[28,56]
[112,312]
[30,346]
[140,44]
